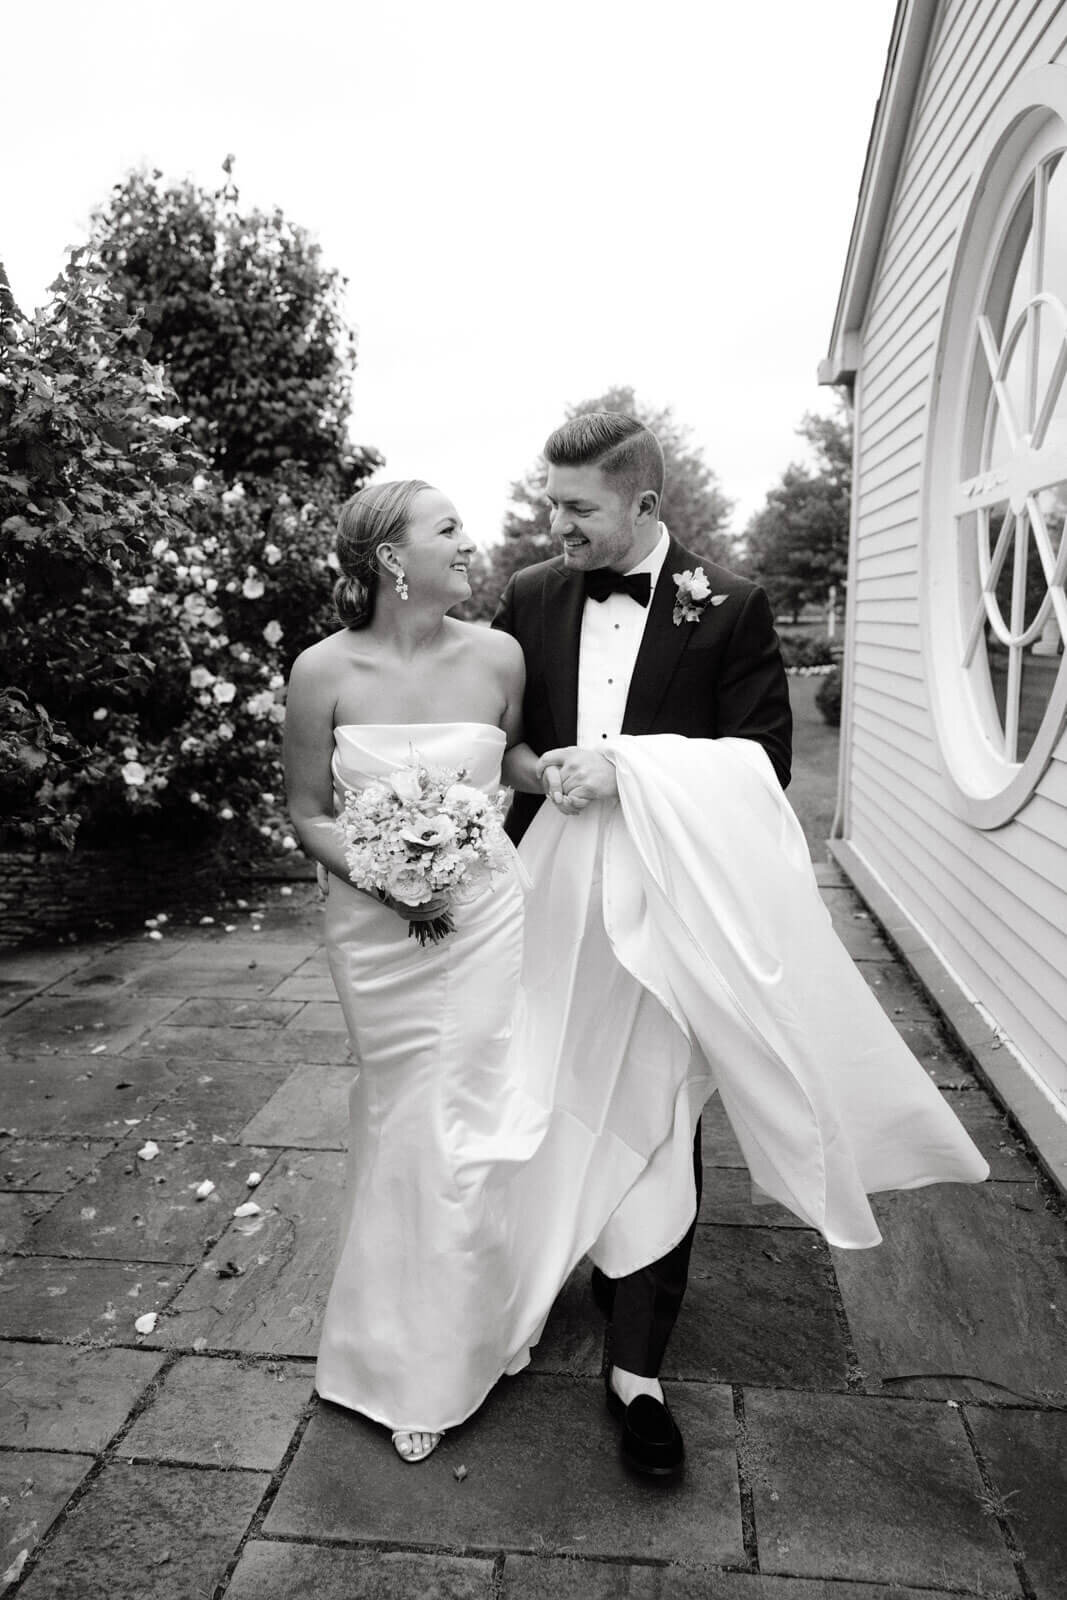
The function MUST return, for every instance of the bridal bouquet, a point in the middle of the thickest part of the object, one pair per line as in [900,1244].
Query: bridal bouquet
[421,832]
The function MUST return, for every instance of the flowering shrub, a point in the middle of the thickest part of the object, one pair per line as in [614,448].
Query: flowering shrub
[223,608]
[149,613]
[189,742]
[93,468]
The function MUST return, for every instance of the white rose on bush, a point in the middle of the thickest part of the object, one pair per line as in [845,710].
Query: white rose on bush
[223,692]
[252,588]
[260,705]
[273,631]
[134,774]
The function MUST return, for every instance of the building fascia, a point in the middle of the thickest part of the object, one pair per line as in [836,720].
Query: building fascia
[912,27]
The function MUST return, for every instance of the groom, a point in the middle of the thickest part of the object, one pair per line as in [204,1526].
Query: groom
[614,645]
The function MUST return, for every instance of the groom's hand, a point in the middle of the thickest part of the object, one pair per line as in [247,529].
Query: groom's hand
[582,776]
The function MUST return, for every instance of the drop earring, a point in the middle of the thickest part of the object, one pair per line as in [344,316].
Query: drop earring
[401,585]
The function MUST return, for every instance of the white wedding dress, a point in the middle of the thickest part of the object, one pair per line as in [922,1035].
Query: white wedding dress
[526,1090]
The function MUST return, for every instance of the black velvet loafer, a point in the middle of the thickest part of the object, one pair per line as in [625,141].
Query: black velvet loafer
[603,1289]
[651,1440]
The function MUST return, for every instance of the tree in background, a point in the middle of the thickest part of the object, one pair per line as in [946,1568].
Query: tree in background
[797,545]
[240,310]
[694,506]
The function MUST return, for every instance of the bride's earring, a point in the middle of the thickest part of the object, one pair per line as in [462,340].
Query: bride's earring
[401,585]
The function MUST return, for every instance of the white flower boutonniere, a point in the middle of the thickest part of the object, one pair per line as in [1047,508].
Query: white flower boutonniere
[694,593]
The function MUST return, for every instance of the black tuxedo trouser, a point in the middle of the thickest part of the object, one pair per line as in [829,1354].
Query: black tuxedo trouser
[647,1303]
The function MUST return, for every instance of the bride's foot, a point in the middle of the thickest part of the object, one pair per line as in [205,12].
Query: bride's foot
[415,1446]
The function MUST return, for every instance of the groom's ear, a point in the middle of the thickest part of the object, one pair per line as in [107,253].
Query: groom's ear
[648,506]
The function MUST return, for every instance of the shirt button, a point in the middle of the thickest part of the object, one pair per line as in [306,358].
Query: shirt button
[616,627]
[603,735]
[611,680]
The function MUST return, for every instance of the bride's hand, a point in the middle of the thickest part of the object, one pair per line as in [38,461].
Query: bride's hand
[551,776]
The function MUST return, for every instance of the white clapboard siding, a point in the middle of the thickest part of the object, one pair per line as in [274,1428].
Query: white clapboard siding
[898,690]
[994,904]
[898,367]
[891,528]
[1014,979]
[898,402]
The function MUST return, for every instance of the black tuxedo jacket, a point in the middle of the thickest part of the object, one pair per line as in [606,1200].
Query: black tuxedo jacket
[722,676]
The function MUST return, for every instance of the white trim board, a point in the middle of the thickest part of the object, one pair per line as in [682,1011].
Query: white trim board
[996,1064]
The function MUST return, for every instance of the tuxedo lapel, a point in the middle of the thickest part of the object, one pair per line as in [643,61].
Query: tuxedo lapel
[564,602]
[661,646]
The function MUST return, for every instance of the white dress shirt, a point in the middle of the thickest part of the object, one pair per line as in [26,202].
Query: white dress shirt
[612,631]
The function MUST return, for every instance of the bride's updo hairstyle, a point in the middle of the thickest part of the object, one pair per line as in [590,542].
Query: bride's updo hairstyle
[377,515]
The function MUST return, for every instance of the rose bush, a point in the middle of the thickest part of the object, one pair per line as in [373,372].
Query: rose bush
[174,451]
[221,610]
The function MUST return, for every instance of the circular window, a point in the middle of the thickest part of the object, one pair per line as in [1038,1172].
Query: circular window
[995,553]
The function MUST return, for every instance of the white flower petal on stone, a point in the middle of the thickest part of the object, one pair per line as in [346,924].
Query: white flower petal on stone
[204,1189]
[14,1571]
[154,934]
[254,1179]
[147,1323]
[248,1208]
[149,1151]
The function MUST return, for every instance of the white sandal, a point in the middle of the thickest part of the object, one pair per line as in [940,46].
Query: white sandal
[414,1455]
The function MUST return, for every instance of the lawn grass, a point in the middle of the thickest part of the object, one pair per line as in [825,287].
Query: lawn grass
[813,791]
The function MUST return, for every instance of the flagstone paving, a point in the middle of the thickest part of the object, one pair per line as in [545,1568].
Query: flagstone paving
[865,1425]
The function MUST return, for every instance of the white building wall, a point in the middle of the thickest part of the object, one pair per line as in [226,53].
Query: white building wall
[992,904]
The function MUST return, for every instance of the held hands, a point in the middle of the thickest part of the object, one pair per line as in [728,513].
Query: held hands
[572,777]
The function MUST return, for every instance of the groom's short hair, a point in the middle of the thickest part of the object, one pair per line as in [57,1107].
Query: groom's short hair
[619,445]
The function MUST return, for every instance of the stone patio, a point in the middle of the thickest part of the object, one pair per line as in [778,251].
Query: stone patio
[877,1425]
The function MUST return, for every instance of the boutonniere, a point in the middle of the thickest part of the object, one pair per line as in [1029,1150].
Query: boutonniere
[694,593]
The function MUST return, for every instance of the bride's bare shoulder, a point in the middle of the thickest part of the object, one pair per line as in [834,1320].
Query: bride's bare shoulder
[496,648]
[325,656]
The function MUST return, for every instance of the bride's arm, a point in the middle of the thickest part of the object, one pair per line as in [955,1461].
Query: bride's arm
[308,753]
[520,765]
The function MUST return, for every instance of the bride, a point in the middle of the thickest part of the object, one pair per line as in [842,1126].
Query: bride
[526,1090]
[410,1338]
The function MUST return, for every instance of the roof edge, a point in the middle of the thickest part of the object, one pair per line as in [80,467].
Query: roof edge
[912,27]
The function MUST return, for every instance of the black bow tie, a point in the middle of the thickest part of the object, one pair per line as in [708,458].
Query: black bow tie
[603,581]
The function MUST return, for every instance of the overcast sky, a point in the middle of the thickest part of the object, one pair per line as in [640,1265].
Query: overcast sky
[531,202]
